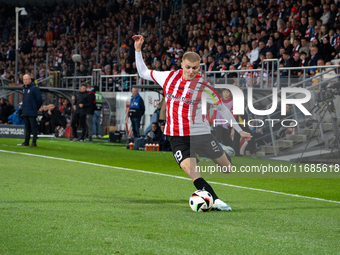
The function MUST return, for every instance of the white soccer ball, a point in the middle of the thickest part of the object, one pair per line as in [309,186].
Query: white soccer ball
[229,150]
[201,201]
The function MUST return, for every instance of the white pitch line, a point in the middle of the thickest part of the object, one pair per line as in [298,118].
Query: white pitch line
[168,175]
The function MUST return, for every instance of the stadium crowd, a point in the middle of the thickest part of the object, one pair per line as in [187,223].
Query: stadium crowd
[228,35]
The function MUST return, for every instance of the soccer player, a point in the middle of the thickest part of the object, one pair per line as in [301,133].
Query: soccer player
[188,132]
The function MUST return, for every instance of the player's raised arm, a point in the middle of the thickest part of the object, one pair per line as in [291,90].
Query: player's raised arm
[215,100]
[227,115]
[143,71]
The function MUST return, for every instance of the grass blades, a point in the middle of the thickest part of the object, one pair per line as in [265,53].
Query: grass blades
[50,206]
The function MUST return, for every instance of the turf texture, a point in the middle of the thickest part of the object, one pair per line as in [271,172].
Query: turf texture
[53,206]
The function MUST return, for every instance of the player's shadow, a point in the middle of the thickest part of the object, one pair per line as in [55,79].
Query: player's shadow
[139,200]
[154,201]
[101,201]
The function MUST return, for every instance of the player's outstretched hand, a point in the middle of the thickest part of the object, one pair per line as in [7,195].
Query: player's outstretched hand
[246,135]
[138,42]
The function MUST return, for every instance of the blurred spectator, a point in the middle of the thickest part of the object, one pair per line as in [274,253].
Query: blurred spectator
[6,109]
[79,114]
[314,57]
[304,45]
[156,133]
[259,62]
[262,48]
[288,46]
[58,29]
[53,119]
[254,54]
[41,118]
[154,117]
[15,118]
[220,53]
[287,59]
[90,105]
[296,63]
[326,14]
[97,133]
[136,111]
[67,111]
[320,62]
[326,49]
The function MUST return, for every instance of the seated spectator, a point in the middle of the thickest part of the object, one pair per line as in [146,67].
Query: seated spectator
[15,118]
[211,67]
[154,117]
[296,45]
[224,24]
[236,62]
[326,49]
[271,47]
[244,63]
[287,59]
[51,119]
[156,133]
[259,62]
[249,76]
[222,67]
[283,76]
[330,76]
[261,75]
[303,57]
[314,56]
[262,48]
[67,111]
[315,81]
[254,55]
[288,46]
[6,109]
[42,118]
[296,63]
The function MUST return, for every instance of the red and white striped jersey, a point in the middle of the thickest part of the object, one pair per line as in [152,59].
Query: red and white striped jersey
[183,101]
[183,104]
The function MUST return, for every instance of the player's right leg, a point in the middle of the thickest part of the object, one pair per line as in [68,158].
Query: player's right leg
[208,146]
[189,166]
[181,151]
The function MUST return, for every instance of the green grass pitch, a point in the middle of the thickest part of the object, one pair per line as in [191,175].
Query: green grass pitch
[52,206]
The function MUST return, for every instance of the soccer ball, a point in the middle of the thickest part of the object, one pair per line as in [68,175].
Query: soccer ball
[201,201]
[229,150]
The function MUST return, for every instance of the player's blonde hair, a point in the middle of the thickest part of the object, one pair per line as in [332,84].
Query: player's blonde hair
[191,57]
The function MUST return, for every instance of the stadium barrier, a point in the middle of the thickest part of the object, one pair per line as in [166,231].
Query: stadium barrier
[264,78]
[259,79]
[73,82]
[278,139]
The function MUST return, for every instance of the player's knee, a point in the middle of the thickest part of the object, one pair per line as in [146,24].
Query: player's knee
[185,166]
[190,168]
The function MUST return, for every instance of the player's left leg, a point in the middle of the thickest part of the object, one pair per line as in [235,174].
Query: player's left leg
[224,162]
[208,146]
[187,160]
